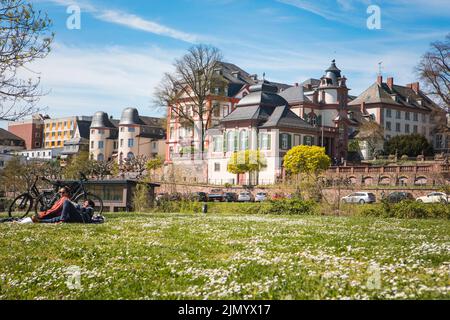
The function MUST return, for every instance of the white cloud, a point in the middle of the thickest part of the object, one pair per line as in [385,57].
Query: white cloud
[85,80]
[128,20]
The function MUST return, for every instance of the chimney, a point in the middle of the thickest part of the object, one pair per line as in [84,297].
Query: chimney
[380,80]
[363,108]
[296,84]
[390,83]
[414,86]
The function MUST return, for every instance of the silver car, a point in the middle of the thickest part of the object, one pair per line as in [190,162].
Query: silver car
[245,197]
[360,198]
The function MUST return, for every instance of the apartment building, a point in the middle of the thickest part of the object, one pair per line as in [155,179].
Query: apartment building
[30,130]
[59,131]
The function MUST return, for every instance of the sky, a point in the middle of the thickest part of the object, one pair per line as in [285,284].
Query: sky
[122,48]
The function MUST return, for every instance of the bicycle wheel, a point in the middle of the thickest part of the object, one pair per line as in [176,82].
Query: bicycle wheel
[89,196]
[21,206]
[44,202]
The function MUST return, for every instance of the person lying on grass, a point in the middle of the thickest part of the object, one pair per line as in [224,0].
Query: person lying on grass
[71,213]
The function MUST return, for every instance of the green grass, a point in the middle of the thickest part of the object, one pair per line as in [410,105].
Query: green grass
[174,256]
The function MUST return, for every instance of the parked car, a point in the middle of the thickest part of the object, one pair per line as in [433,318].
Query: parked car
[397,197]
[162,197]
[230,197]
[360,197]
[175,197]
[246,197]
[199,197]
[216,195]
[434,197]
[261,197]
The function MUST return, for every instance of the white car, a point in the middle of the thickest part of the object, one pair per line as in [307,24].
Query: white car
[261,197]
[434,197]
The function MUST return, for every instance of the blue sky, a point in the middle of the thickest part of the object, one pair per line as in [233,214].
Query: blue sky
[123,47]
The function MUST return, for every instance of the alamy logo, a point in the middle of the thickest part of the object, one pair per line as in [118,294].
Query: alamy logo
[73,280]
[374,20]
[74,20]
[374,280]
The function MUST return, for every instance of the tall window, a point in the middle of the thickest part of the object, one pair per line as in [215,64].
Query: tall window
[92,144]
[388,113]
[218,144]
[265,141]
[130,143]
[388,126]
[244,140]
[130,155]
[397,127]
[312,119]
[100,157]
[101,144]
[407,128]
[398,114]
[230,141]
[416,117]
[285,141]
[407,116]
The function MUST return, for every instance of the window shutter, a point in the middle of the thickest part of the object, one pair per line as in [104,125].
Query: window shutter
[236,141]
[305,140]
[225,142]
[289,141]
[319,120]
[281,141]
[313,141]
[269,142]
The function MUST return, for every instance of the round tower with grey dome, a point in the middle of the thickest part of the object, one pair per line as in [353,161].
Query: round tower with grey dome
[103,137]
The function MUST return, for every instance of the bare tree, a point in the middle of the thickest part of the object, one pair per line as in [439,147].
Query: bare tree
[372,134]
[434,70]
[136,165]
[24,37]
[192,82]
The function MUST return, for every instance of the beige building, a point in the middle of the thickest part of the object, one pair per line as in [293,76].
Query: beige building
[129,137]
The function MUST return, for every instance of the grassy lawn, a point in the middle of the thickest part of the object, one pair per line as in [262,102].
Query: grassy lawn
[173,256]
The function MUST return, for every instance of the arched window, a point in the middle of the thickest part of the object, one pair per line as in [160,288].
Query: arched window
[101,157]
[130,155]
[230,139]
[243,140]
[312,119]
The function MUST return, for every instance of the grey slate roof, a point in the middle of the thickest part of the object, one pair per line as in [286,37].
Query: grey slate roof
[293,94]
[262,94]
[266,109]
[85,128]
[404,97]
[283,117]
[102,120]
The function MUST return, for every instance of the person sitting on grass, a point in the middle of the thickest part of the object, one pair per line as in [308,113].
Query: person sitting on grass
[57,209]
[72,213]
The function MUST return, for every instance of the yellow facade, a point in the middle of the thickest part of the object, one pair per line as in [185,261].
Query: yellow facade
[58,131]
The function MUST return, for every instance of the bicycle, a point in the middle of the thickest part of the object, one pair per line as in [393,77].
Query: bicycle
[78,194]
[22,204]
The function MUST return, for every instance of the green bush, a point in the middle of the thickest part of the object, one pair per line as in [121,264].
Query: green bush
[409,210]
[279,207]
[289,207]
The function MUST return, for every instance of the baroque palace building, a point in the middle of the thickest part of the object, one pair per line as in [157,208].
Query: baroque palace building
[273,117]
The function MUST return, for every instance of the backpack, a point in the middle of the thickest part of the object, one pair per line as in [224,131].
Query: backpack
[98,219]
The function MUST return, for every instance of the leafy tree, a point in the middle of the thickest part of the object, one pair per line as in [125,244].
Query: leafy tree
[247,161]
[78,164]
[136,165]
[310,160]
[411,145]
[13,177]
[153,165]
[24,38]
